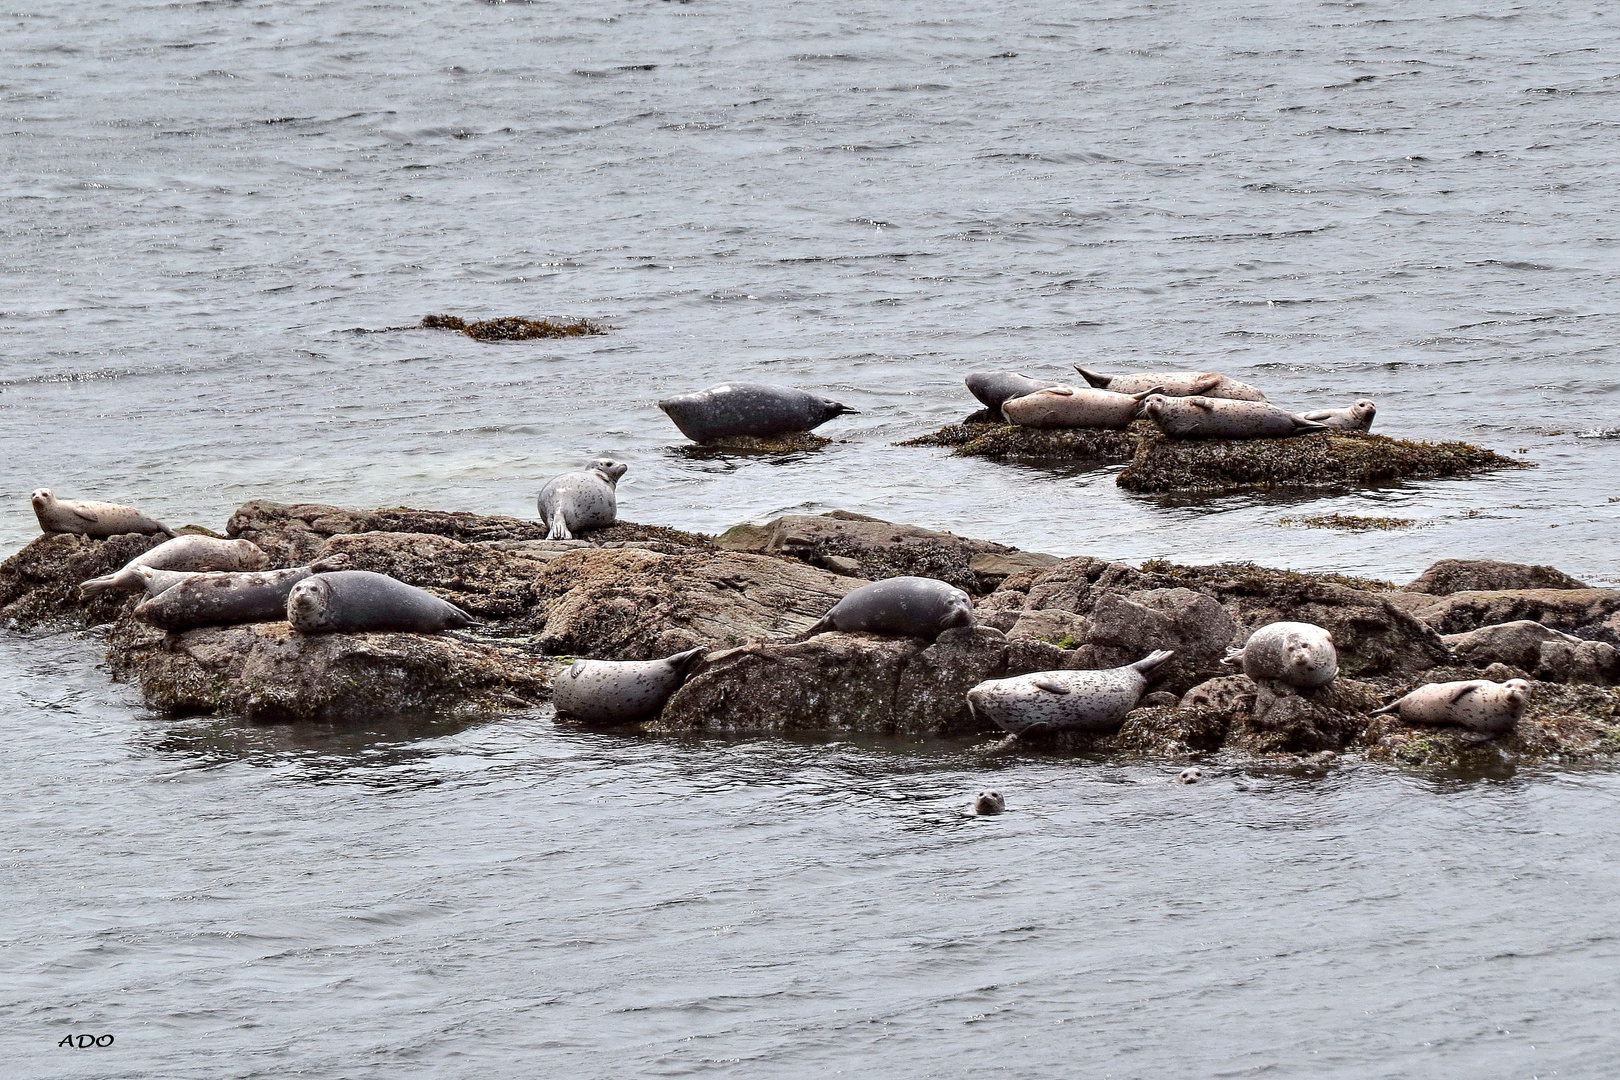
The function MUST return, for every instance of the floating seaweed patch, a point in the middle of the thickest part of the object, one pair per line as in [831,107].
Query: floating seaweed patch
[513,327]
[1348,522]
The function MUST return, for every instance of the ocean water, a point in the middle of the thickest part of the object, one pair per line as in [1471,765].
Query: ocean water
[218,221]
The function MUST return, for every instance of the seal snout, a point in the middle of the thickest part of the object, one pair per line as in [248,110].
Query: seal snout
[989,803]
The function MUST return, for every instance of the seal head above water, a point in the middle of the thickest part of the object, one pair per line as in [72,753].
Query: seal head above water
[360,601]
[621,691]
[98,520]
[1174,384]
[1296,653]
[1218,418]
[1489,708]
[756,410]
[1065,700]
[580,501]
[904,606]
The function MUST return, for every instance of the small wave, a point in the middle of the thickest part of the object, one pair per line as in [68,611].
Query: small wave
[1599,433]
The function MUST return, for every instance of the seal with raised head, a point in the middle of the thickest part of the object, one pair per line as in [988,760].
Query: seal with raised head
[221,598]
[1075,407]
[97,520]
[1219,418]
[193,553]
[989,804]
[996,388]
[1489,708]
[1357,417]
[621,691]
[361,601]
[1296,653]
[756,410]
[903,606]
[581,501]
[1065,700]
[1175,384]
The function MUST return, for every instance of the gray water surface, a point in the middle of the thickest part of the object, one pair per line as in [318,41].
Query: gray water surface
[202,205]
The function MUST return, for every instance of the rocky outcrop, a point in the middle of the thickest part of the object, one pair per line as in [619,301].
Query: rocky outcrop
[866,547]
[853,682]
[1539,651]
[39,585]
[266,672]
[976,438]
[1474,575]
[1584,612]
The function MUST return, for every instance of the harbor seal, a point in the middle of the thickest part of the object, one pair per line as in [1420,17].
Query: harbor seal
[996,388]
[361,601]
[1218,418]
[1357,417]
[1489,708]
[989,804]
[1065,700]
[904,606]
[1190,775]
[194,553]
[97,520]
[581,501]
[753,409]
[621,691]
[221,598]
[1175,384]
[1075,407]
[1296,653]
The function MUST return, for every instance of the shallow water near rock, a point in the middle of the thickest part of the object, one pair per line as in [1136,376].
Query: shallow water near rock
[204,202]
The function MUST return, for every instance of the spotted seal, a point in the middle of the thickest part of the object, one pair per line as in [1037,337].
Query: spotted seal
[221,598]
[1075,407]
[361,601]
[1489,708]
[621,691]
[995,388]
[193,553]
[1218,418]
[904,606]
[97,520]
[1065,700]
[1175,384]
[989,804]
[752,409]
[1357,417]
[1296,653]
[581,501]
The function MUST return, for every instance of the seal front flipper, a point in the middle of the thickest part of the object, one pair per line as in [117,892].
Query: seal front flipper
[1051,686]
[1201,403]
[1303,424]
[85,514]
[1461,692]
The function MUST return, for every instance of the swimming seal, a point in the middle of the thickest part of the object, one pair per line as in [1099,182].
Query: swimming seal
[1218,418]
[905,606]
[581,501]
[1065,700]
[1190,775]
[221,598]
[194,553]
[1175,384]
[1489,708]
[621,691]
[996,388]
[989,803]
[1075,407]
[753,409]
[1357,417]
[360,601]
[1296,653]
[97,520]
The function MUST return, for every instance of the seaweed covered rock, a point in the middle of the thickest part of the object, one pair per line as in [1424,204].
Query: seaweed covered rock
[866,547]
[513,327]
[1582,612]
[853,682]
[1121,628]
[265,672]
[39,585]
[1098,446]
[1325,459]
[1474,575]
[786,443]
[636,604]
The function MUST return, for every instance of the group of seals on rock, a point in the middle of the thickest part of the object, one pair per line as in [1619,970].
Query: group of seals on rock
[181,554]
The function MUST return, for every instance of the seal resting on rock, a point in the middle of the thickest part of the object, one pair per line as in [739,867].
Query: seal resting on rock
[989,803]
[1218,418]
[621,691]
[995,388]
[581,501]
[1175,384]
[907,606]
[97,520]
[1296,653]
[221,598]
[1075,407]
[360,601]
[1065,700]
[1489,708]
[1357,417]
[752,409]
[193,553]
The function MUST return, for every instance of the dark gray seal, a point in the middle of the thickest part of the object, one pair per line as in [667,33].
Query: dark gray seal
[1489,708]
[752,409]
[1218,418]
[996,388]
[621,691]
[222,598]
[193,553]
[360,601]
[1065,700]
[1357,417]
[904,606]
[1175,384]
[581,501]
[97,520]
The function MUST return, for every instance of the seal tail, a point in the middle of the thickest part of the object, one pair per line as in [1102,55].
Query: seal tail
[1099,381]
[1392,707]
[1234,657]
[1153,661]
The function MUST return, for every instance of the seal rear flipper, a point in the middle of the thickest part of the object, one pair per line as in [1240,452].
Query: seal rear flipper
[821,626]
[1234,657]
[1099,381]
[559,530]
[1392,707]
